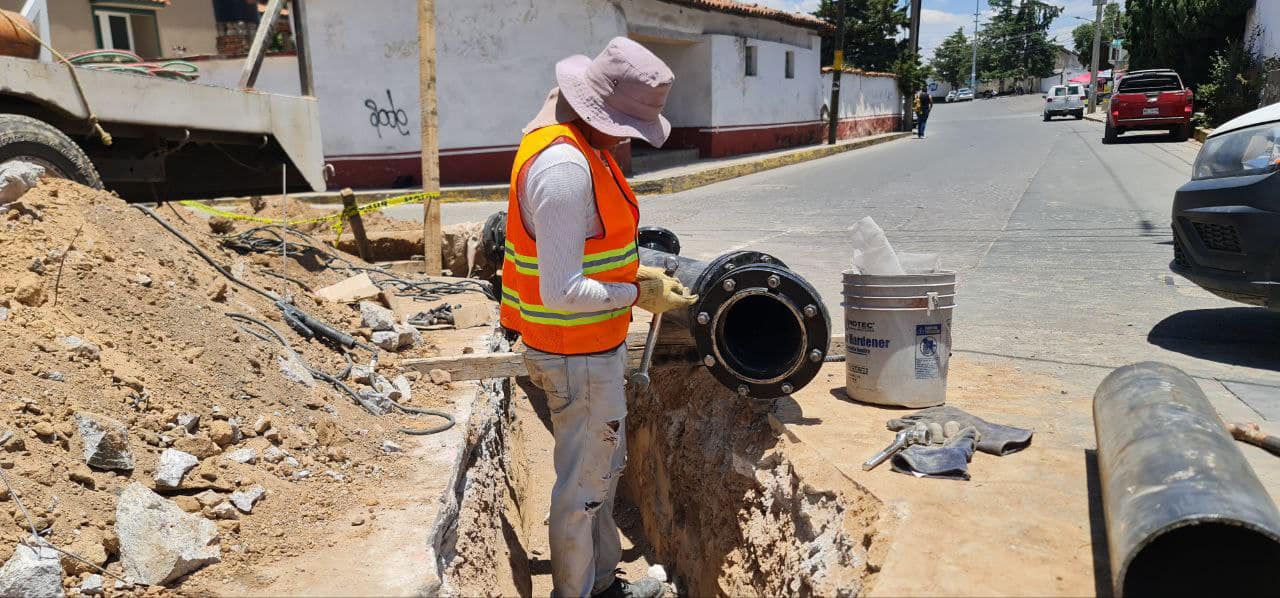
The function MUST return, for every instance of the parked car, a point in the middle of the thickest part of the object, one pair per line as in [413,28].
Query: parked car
[1146,100]
[1063,100]
[1226,220]
[964,93]
[951,96]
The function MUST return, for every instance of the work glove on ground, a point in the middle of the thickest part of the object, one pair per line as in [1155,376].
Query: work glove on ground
[994,439]
[662,294]
[950,460]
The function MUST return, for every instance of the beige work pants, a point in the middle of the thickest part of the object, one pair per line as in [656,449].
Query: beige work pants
[588,409]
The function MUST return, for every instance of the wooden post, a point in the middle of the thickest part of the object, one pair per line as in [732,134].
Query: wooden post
[430,137]
[357,224]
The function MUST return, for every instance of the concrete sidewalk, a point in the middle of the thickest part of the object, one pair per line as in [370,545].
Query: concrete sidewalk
[667,180]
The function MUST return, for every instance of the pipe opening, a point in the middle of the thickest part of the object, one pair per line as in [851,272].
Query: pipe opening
[1206,559]
[761,337]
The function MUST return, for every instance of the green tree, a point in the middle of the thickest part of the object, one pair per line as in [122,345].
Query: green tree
[1182,35]
[873,29]
[1114,22]
[1015,44]
[911,73]
[951,59]
[1237,76]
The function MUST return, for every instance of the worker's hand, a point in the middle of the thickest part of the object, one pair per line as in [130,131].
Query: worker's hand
[662,294]
[650,273]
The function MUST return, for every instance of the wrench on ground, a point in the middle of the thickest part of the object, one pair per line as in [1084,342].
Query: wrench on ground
[640,378]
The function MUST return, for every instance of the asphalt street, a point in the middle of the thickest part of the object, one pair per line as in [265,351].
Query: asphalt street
[1061,244]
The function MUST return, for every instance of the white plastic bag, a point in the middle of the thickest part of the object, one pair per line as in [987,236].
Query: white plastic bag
[872,253]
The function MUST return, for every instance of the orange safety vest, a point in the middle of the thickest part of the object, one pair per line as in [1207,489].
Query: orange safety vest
[610,257]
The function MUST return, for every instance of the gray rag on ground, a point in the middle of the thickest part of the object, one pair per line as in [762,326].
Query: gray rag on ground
[993,439]
[950,461]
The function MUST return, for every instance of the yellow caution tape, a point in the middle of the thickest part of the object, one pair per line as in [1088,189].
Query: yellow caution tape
[339,219]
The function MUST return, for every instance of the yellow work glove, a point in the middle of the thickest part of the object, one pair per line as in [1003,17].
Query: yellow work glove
[662,293]
[650,273]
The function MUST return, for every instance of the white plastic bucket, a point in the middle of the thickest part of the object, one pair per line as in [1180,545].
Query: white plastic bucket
[897,332]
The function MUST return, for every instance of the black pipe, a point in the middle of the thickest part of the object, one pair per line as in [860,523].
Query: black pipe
[1185,513]
[760,328]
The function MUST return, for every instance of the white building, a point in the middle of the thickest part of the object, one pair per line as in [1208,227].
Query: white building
[748,78]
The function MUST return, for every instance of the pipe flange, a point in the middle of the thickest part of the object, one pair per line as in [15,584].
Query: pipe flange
[754,278]
[658,239]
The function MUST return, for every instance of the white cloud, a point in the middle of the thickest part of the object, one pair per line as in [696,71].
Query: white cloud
[936,25]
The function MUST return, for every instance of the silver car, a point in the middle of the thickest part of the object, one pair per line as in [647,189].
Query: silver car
[963,94]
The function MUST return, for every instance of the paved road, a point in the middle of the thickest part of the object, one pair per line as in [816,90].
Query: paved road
[1061,243]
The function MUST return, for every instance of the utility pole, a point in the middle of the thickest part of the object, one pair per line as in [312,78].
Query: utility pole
[837,67]
[430,136]
[1097,49]
[973,66]
[913,43]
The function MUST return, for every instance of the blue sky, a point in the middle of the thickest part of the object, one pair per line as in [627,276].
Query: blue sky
[941,17]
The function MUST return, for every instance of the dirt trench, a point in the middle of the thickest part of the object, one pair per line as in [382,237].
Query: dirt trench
[715,489]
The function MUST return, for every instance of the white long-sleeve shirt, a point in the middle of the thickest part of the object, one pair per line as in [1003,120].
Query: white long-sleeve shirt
[558,204]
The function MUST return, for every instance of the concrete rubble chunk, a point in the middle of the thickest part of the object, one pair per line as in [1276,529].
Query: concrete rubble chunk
[106,442]
[30,291]
[400,337]
[208,498]
[158,541]
[380,403]
[80,348]
[295,371]
[247,455]
[224,510]
[16,178]
[4,313]
[33,572]
[245,499]
[402,384]
[274,454]
[376,317]
[390,447]
[92,585]
[189,422]
[174,464]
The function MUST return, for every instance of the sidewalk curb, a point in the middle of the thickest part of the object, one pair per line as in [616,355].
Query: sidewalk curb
[1200,134]
[641,186]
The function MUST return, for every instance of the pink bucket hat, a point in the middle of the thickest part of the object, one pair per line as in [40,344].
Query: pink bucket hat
[621,92]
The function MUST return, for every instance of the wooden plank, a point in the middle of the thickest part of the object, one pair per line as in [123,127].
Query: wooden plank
[253,62]
[478,366]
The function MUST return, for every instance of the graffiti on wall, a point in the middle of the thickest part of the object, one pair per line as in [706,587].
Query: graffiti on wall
[387,116]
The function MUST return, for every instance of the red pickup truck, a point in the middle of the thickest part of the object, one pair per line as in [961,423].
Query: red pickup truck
[1152,99]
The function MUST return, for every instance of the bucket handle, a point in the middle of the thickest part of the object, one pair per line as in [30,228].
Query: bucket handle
[933,301]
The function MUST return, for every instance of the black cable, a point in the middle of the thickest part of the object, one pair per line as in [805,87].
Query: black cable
[216,266]
[337,380]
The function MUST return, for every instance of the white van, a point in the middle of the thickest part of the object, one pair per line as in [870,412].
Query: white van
[1062,100]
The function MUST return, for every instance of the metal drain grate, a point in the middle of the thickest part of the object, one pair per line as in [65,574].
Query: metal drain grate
[1220,237]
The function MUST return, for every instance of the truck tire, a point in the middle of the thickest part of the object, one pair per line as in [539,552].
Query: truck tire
[1047,117]
[1108,134]
[1079,114]
[31,140]
[1181,132]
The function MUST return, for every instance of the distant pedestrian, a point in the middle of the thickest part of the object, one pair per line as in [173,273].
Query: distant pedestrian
[923,104]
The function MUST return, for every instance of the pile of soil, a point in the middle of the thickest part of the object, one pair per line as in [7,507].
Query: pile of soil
[104,312]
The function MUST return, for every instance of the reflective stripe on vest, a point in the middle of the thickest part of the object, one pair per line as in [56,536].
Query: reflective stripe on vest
[612,257]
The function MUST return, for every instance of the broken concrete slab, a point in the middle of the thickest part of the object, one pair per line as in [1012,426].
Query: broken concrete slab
[247,455]
[400,337]
[173,465]
[376,317]
[92,585]
[159,542]
[350,290]
[106,442]
[34,572]
[224,510]
[295,371]
[245,499]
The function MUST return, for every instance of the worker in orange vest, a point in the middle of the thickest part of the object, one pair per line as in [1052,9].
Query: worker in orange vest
[570,277]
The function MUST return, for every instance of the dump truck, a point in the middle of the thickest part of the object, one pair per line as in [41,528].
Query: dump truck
[154,139]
